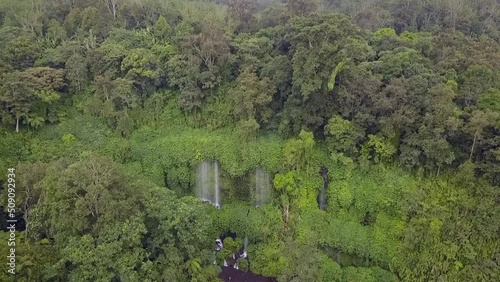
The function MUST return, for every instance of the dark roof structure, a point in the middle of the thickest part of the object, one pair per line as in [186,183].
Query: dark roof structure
[230,274]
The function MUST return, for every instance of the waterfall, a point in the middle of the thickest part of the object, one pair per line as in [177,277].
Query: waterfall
[216,184]
[322,199]
[262,187]
[208,183]
[202,181]
[245,246]
[218,244]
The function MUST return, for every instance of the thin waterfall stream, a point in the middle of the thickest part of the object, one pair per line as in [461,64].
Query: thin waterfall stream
[262,192]
[208,183]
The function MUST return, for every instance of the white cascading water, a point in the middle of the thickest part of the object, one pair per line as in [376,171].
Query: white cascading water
[216,184]
[208,183]
[262,187]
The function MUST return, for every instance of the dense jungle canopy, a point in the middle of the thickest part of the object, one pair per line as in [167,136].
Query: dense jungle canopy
[107,108]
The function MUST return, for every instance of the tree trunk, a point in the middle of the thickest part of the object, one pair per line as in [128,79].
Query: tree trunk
[114,4]
[473,145]
[286,213]
[112,7]
[17,124]
[26,222]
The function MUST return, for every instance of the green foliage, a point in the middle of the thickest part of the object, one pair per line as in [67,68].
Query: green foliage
[243,12]
[401,62]
[380,149]
[76,71]
[271,261]
[342,135]
[108,107]
[330,270]
[96,224]
[474,81]
[141,66]
[162,29]
[46,84]
[385,32]
[335,72]
[440,231]
[490,100]
[68,138]
[298,152]
[189,147]
[316,55]
[21,52]
[251,98]
[286,183]
[302,7]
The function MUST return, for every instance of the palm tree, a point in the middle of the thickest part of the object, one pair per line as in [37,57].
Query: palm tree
[193,266]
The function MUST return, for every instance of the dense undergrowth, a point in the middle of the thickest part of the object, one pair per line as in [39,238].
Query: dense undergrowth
[106,111]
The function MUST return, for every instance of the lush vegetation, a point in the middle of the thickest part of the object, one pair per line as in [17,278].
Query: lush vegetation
[107,107]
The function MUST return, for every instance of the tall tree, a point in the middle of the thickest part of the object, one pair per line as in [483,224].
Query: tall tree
[244,12]
[211,47]
[303,7]
[77,71]
[16,97]
[112,6]
[162,29]
[251,96]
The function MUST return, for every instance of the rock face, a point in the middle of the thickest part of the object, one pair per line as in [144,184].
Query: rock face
[230,274]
